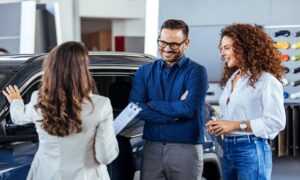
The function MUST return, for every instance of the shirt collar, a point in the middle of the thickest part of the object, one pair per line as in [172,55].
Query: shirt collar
[180,62]
[244,76]
[234,74]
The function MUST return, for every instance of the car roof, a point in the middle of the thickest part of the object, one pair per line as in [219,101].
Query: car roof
[103,58]
[25,65]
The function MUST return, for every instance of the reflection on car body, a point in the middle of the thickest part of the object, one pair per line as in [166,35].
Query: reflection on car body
[113,74]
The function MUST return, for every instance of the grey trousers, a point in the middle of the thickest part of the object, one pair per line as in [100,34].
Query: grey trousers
[171,161]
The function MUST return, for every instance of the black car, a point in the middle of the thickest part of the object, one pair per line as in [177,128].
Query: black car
[113,74]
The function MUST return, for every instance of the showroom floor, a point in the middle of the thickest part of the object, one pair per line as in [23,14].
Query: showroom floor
[286,168]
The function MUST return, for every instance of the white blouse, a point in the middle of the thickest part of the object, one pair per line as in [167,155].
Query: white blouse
[262,105]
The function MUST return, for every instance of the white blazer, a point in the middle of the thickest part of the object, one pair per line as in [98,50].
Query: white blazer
[79,156]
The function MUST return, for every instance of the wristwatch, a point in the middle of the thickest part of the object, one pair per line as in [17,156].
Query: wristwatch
[243,125]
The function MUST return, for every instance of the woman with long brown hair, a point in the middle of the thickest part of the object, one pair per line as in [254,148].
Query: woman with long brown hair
[75,127]
[252,108]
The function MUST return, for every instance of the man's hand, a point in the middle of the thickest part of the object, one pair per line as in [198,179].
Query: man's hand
[183,97]
[12,93]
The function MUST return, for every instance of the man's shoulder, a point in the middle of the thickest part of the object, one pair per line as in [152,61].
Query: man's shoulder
[195,65]
[151,65]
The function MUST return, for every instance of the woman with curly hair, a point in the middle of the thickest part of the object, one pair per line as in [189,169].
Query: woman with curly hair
[252,107]
[75,127]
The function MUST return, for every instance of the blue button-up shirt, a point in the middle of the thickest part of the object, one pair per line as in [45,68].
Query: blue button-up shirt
[158,88]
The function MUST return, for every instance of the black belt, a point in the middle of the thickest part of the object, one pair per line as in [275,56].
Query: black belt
[161,143]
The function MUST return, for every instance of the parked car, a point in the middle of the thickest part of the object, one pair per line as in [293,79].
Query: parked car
[113,74]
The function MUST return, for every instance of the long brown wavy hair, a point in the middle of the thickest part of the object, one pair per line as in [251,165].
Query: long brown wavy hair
[254,51]
[66,82]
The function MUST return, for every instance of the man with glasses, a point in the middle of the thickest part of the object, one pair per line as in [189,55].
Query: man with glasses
[171,92]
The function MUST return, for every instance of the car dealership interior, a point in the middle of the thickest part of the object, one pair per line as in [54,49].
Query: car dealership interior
[30,28]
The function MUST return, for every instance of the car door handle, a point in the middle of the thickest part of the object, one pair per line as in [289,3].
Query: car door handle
[282,45]
[286,70]
[295,83]
[296,57]
[296,70]
[284,57]
[296,45]
[295,95]
[297,34]
[284,33]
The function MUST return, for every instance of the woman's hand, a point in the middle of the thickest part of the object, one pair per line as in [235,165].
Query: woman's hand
[219,127]
[12,93]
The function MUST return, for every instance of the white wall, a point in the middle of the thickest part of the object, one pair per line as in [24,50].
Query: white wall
[123,9]
[67,16]
[128,27]
[212,12]
[127,16]
[284,12]
[151,27]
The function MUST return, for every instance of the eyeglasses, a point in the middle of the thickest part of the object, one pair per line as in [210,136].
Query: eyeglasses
[172,45]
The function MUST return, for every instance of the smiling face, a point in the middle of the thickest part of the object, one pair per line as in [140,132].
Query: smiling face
[172,36]
[227,53]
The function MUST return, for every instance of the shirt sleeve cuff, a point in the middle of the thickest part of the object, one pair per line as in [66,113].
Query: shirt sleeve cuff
[258,128]
[16,102]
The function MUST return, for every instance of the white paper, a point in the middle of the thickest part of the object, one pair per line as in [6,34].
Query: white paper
[126,116]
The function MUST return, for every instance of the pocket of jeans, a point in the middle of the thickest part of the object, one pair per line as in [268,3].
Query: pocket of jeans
[268,154]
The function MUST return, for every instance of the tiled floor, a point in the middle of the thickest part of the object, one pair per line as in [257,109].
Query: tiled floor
[286,168]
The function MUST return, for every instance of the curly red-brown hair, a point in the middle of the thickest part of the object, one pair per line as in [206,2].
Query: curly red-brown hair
[254,51]
[66,82]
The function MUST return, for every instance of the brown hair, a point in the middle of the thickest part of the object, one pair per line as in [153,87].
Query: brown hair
[66,82]
[254,51]
[176,24]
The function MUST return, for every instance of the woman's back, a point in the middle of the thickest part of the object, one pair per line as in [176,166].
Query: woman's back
[75,128]
[78,155]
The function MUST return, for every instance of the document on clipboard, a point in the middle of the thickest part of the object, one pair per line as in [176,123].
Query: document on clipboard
[130,112]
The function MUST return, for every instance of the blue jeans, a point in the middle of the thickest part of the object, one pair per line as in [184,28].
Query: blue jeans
[246,158]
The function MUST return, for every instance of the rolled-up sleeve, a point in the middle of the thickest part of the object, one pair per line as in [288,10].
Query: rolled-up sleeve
[273,119]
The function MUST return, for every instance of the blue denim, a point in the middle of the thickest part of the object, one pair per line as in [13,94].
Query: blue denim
[246,158]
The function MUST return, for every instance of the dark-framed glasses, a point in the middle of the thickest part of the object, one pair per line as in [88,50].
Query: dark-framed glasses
[172,45]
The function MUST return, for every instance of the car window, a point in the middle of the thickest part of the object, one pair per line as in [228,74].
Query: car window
[4,77]
[116,87]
